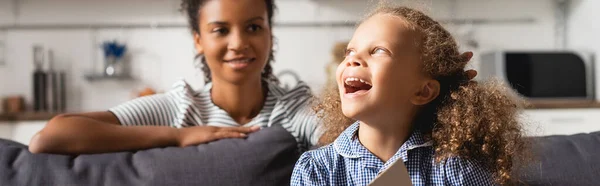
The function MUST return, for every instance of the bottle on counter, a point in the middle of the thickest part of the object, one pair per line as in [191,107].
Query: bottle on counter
[56,86]
[40,80]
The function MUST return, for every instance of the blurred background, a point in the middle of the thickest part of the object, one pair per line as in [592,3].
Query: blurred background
[53,53]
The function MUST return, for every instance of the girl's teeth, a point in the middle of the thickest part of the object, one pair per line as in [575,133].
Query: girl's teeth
[356,79]
[351,79]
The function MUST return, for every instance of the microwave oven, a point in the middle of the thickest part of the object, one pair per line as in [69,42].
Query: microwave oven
[543,74]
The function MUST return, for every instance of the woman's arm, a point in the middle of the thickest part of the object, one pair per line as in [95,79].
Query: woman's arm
[101,132]
[98,132]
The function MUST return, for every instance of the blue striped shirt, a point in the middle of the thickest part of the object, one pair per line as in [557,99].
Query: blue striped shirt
[347,162]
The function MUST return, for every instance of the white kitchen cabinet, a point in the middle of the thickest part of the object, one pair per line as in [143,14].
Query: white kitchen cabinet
[543,122]
[6,129]
[24,130]
[20,131]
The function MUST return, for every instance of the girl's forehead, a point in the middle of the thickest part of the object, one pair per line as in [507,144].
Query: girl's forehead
[385,29]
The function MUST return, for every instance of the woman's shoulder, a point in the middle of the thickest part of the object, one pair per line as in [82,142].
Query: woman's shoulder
[300,91]
[182,89]
[292,100]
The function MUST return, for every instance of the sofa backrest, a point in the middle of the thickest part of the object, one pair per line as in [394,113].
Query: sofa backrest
[266,157]
[563,160]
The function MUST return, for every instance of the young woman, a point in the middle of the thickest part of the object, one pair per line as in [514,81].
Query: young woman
[233,40]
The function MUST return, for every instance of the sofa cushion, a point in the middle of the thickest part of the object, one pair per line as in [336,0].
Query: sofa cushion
[564,160]
[266,157]
[4,142]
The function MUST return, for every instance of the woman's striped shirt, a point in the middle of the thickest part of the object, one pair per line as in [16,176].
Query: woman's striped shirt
[185,107]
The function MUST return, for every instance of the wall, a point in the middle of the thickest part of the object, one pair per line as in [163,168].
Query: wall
[6,130]
[583,29]
[161,56]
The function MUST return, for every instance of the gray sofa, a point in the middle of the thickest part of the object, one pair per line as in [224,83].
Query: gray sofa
[264,158]
[564,160]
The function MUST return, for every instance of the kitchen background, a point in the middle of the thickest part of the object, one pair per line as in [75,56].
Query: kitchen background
[160,50]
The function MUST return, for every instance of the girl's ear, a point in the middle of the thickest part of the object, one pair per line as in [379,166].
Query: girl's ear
[197,44]
[426,93]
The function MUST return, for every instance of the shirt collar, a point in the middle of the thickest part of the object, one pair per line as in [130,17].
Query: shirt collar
[273,96]
[273,89]
[347,145]
[416,140]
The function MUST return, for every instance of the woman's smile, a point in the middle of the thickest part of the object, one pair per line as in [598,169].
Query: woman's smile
[240,62]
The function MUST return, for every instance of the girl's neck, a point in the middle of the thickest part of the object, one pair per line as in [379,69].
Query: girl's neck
[384,139]
[241,101]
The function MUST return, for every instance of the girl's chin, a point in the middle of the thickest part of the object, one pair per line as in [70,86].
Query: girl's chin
[352,112]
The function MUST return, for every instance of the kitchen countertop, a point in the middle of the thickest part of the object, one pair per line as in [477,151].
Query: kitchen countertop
[532,104]
[27,116]
[562,104]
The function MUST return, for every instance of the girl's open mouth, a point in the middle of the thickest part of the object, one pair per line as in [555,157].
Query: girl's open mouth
[354,85]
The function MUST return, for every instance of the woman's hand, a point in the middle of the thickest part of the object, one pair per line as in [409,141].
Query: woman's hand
[203,134]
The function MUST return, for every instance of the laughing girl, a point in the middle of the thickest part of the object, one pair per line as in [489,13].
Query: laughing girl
[404,94]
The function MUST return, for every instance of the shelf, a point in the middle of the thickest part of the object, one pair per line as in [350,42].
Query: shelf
[28,116]
[101,77]
[168,25]
[562,104]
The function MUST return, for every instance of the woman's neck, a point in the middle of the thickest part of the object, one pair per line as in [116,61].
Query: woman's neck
[384,139]
[241,101]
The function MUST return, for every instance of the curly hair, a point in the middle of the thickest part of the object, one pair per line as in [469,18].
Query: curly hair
[477,121]
[192,10]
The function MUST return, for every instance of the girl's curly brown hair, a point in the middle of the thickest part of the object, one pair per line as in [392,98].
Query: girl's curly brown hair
[477,121]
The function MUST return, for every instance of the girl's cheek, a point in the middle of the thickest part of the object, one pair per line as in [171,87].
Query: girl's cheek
[339,71]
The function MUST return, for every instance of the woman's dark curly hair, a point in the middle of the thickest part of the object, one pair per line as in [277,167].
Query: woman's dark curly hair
[477,121]
[192,11]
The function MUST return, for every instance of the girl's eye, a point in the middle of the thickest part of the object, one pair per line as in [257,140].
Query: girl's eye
[379,51]
[254,28]
[349,52]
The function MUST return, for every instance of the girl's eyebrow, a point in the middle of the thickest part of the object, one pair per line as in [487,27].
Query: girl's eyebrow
[218,23]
